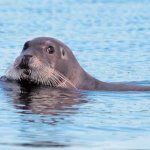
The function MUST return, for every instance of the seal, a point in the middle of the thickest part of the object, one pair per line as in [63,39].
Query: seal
[49,62]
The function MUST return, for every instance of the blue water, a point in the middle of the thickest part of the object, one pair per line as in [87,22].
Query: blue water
[111,40]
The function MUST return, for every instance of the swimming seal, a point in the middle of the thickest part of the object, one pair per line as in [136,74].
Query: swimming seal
[48,61]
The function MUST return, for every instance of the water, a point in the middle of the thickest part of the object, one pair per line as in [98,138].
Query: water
[110,39]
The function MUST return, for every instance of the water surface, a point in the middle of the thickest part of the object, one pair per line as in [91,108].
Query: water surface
[110,39]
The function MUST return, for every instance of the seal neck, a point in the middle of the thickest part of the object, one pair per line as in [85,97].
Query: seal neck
[85,81]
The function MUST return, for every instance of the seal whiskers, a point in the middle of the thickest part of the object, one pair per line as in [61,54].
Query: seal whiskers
[54,77]
[40,74]
[65,80]
[12,73]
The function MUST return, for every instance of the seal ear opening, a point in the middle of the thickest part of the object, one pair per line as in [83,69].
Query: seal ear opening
[63,53]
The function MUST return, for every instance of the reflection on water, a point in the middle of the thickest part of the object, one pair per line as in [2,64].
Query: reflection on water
[43,100]
[48,101]
[39,144]
[56,103]
[48,117]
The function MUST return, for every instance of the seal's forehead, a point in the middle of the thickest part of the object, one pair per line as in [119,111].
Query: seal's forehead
[41,41]
[45,41]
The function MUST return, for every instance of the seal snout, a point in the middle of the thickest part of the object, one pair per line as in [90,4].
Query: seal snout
[24,64]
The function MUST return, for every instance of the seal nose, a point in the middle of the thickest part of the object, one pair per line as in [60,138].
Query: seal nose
[26,57]
[25,61]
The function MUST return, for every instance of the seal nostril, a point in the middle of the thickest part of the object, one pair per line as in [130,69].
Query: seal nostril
[25,61]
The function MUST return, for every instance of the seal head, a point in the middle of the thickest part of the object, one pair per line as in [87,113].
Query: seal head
[44,61]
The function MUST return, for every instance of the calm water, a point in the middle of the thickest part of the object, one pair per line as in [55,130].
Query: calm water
[111,40]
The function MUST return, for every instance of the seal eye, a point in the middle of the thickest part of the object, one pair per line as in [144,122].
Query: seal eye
[50,50]
[26,45]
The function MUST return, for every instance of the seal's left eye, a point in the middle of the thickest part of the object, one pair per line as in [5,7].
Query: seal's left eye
[26,45]
[50,50]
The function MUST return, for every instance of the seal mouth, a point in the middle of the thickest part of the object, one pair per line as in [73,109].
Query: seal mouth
[27,72]
[26,78]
